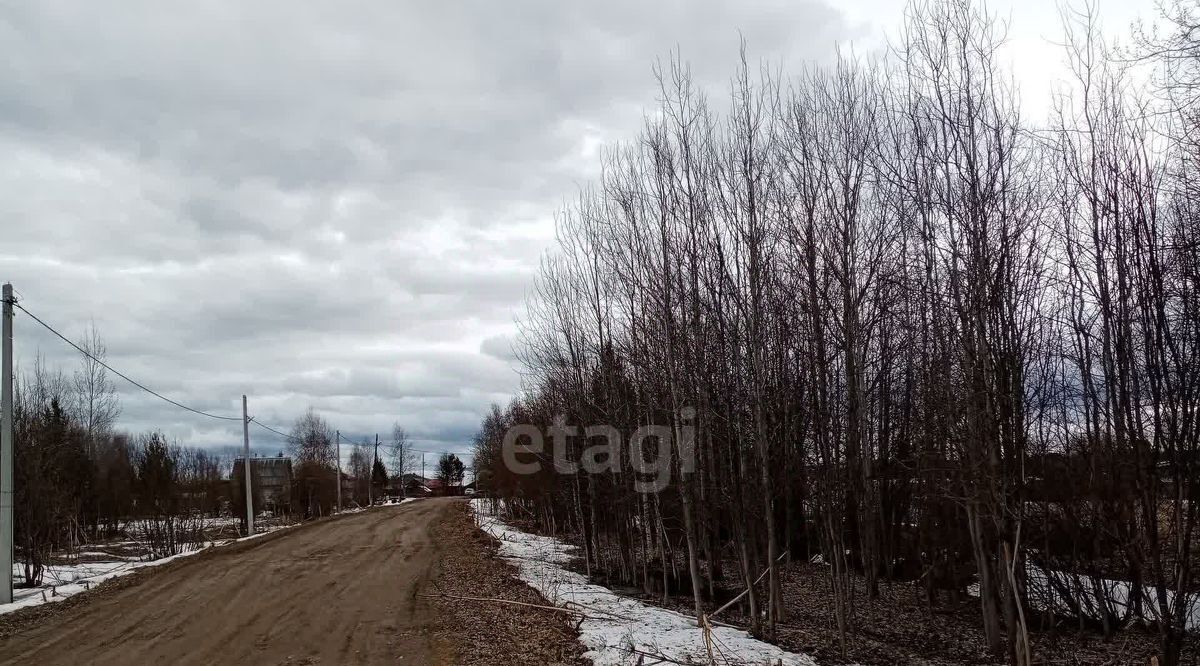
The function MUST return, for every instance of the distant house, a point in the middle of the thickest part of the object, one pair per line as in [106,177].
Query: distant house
[271,480]
[416,485]
[440,488]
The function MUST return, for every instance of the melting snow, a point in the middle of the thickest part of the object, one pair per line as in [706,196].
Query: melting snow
[1053,589]
[618,630]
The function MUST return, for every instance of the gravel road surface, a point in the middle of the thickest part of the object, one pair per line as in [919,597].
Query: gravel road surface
[342,591]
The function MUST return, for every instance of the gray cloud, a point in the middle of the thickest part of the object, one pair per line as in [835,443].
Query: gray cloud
[499,347]
[337,205]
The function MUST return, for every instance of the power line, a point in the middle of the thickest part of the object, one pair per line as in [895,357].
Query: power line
[160,396]
[457,453]
[120,374]
[361,438]
[267,427]
[290,437]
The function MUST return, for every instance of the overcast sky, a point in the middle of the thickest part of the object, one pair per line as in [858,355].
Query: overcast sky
[342,204]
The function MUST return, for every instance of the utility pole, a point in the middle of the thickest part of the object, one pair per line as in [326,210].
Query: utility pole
[246,469]
[339,470]
[6,450]
[371,477]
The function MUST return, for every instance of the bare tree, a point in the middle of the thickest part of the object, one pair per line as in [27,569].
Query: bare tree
[314,454]
[910,332]
[360,471]
[404,457]
[95,402]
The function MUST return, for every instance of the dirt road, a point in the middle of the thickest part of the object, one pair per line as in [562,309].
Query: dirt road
[346,591]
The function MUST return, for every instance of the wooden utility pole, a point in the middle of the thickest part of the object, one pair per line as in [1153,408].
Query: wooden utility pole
[6,450]
[338,436]
[246,469]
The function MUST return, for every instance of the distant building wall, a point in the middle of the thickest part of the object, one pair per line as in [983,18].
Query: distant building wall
[272,482]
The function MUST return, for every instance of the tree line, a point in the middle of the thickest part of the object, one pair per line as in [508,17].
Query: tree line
[313,446]
[909,329]
[78,479]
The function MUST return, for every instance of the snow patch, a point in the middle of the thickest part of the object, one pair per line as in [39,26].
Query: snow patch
[60,581]
[617,630]
[1062,591]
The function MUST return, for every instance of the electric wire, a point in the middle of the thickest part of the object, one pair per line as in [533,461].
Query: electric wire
[267,427]
[120,374]
[176,403]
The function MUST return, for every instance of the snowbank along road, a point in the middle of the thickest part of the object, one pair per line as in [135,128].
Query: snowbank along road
[344,591]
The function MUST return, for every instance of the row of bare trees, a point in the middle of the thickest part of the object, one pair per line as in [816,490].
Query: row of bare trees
[898,325]
[313,450]
[77,480]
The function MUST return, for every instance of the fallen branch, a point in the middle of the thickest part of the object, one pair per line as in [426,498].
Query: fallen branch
[659,657]
[582,608]
[504,601]
[747,590]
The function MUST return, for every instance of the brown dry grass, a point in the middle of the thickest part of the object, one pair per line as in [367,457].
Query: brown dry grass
[482,633]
